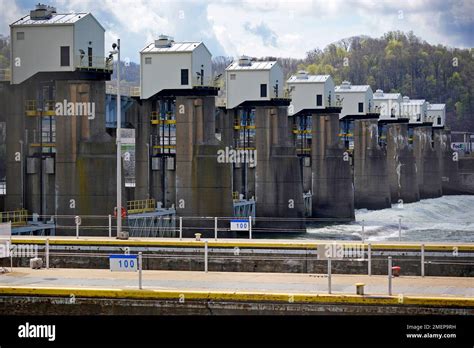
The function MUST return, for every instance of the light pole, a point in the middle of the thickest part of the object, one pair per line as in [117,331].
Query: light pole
[116,50]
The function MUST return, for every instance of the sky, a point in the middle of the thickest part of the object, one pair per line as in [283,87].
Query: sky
[263,27]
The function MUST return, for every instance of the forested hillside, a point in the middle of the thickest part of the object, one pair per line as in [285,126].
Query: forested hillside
[404,63]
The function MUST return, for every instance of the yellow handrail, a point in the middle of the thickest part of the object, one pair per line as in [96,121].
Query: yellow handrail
[141,206]
[17,217]
[5,75]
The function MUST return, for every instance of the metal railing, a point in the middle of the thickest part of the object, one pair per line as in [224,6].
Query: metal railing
[17,217]
[128,91]
[141,206]
[37,108]
[85,62]
[207,256]
[5,75]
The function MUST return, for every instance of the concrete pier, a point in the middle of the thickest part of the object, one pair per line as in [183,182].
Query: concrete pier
[427,163]
[401,164]
[85,154]
[71,169]
[448,162]
[203,185]
[371,184]
[333,190]
[279,187]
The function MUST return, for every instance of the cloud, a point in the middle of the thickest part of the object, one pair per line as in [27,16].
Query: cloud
[262,30]
[10,13]
[265,27]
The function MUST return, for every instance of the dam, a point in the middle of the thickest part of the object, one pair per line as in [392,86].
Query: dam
[250,191]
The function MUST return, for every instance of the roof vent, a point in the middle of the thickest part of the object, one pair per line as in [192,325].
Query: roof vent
[346,85]
[406,99]
[245,61]
[164,41]
[379,93]
[302,75]
[42,12]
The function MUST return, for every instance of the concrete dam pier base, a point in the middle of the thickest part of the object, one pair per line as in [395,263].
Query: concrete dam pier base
[448,163]
[86,154]
[371,188]
[279,187]
[427,163]
[69,167]
[203,184]
[401,165]
[333,195]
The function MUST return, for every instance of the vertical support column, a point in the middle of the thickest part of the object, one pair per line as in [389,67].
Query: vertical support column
[279,186]
[427,162]
[201,175]
[401,165]
[372,189]
[333,192]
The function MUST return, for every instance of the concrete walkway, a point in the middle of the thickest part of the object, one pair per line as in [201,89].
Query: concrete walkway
[237,282]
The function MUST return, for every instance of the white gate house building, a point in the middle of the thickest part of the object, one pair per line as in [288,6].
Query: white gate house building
[248,81]
[310,92]
[169,65]
[436,113]
[354,99]
[46,41]
[388,104]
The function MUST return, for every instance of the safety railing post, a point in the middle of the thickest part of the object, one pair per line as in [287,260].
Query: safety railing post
[47,253]
[205,257]
[399,229]
[329,276]
[140,268]
[180,228]
[110,226]
[250,227]
[77,220]
[369,259]
[390,276]
[363,231]
[215,228]
[422,260]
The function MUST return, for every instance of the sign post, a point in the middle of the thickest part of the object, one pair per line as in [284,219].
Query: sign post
[123,263]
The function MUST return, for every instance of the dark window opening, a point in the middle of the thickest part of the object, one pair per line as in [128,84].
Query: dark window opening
[89,53]
[65,56]
[361,107]
[184,76]
[263,90]
[439,120]
[319,99]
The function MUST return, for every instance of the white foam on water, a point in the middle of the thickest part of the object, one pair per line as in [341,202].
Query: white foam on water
[448,218]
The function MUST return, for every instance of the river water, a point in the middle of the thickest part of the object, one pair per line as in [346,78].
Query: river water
[444,219]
